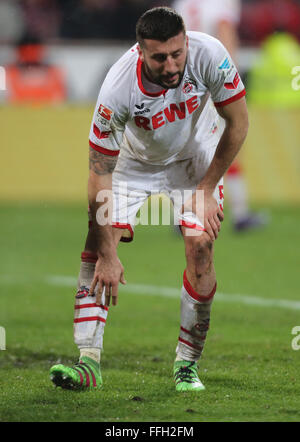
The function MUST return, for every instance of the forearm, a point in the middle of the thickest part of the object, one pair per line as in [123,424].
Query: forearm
[227,149]
[101,216]
[101,202]
[108,270]
[236,119]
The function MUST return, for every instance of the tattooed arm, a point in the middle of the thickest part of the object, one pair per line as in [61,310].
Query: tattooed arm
[102,164]
[109,270]
[100,180]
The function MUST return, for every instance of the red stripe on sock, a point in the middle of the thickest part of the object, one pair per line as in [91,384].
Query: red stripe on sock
[103,307]
[185,330]
[189,344]
[189,333]
[89,257]
[194,294]
[91,318]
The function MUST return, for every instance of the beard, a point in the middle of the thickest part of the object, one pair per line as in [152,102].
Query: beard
[171,81]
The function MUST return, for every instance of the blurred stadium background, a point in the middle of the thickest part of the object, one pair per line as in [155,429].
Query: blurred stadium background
[45,131]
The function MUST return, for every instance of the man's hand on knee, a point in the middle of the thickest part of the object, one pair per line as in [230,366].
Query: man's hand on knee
[108,273]
[204,205]
[213,216]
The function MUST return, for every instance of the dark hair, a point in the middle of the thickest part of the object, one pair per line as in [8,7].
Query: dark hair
[159,23]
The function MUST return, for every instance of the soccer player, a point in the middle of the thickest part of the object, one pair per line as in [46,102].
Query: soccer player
[220,19]
[156,126]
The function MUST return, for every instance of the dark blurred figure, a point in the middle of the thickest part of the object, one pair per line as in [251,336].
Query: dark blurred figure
[42,18]
[32,80]
[11,21]
[102,19]
[260,18]
[88,19]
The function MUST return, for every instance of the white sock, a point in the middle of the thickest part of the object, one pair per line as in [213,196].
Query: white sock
[89,319]
[195,316]
[90,352]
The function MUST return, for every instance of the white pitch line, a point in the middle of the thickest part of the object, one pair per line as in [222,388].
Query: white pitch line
[170,292]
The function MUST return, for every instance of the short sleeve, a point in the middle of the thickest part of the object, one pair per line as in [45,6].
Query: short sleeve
[221,76]
[109,119]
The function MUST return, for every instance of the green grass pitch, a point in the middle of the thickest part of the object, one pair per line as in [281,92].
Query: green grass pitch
[249,368]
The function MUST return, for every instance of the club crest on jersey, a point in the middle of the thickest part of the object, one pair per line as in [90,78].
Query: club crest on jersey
[187,87]
[188,84]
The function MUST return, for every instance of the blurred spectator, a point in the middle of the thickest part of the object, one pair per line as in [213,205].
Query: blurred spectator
[30,79]
[11,20]
[42,18]
[105,19]
[270,79]
[212,17]
[260,18]
[221,21]
[116,19]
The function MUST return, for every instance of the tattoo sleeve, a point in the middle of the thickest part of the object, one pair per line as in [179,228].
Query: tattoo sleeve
[100,163]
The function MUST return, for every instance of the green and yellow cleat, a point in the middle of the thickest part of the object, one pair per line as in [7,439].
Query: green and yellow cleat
[186,376]
[85,375]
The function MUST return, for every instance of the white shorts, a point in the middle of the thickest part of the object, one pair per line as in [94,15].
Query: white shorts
[134,182]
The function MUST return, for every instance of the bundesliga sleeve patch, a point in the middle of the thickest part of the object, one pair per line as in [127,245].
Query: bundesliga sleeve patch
[104,116]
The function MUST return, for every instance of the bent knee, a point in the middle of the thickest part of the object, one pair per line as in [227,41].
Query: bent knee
[199,251]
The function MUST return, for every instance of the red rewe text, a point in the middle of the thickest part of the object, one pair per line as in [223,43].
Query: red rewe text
[169,114]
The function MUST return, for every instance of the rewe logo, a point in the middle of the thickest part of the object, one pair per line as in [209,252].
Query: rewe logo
[169,114]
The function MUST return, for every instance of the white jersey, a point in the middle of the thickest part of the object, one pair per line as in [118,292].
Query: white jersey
[163,127]
[205,15]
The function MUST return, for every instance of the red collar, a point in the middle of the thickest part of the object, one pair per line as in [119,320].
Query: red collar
[139,78]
